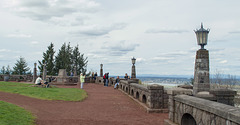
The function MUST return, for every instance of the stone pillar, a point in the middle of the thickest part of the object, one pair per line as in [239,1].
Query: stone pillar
[75,71]
[201,73]
[44,72]
[133,75]
[101,71]
[34,73]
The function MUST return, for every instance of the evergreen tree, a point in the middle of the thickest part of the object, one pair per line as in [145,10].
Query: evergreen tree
[48,59]
[8,70]
[79,61]
[63,59]
[3,70]
[20,67]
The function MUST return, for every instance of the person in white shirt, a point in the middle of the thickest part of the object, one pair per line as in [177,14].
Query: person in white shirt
[39,80]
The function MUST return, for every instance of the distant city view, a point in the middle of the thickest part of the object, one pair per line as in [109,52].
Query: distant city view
[164,80]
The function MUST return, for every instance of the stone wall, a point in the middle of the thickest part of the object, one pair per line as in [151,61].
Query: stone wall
[152,96]
[17,78]
[189,110]
[225,96]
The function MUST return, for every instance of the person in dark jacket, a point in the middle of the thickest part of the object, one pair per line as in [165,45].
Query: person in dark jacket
[126,76]
[117,82]
[106,79]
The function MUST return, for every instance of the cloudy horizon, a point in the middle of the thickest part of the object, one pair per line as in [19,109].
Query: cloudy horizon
[159,34]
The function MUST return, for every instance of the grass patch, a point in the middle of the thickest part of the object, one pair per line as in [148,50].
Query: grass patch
[65,94]
[13,115]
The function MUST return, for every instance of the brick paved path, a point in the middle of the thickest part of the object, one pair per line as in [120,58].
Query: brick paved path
[104,106]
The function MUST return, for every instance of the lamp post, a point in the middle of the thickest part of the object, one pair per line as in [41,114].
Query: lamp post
[133,68]
[101,70]
[202,36]
[201,72]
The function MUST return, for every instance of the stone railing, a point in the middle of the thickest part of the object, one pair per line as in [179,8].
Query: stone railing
[189,110]
[153,97]
[18,78]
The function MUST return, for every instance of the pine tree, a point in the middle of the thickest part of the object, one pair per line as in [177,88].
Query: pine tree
[79,61]
[48,59]
[3,70]
[20,67]
[63,59]
[8,70]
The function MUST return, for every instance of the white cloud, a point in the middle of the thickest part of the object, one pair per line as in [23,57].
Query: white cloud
[4,50]
[97,30]
[34,42]
[119,49]
[47,9]
[166,31]
[223,61]
[19,35]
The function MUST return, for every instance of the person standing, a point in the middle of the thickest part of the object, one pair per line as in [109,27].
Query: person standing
[107,79]
[82,80]
[95,76]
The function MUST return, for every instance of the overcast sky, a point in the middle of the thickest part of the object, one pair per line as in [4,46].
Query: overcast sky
[159,33]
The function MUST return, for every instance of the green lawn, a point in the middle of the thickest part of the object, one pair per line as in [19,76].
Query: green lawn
[66,94]
[13,115]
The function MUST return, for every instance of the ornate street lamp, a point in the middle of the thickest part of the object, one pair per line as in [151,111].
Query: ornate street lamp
[202,36]
[133,68]
[133,60]
[101,65]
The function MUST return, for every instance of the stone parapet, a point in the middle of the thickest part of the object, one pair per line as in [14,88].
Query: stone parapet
[154,97]
[204,111]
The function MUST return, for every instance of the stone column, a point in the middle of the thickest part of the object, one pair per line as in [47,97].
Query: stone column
[34,73]
[44,72]
[201,73]
[133,75]
[75,71]
[101,71]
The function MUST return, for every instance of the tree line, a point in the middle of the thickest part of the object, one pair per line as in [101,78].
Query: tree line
[68,58]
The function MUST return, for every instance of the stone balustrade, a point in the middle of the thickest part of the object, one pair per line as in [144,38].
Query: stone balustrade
[18,78]
[190,110]
[154,97]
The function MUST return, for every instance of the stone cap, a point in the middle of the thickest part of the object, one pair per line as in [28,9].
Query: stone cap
[179,91]
[154,87]
[185,86]
[223,91]
[142,87]
[205,95]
